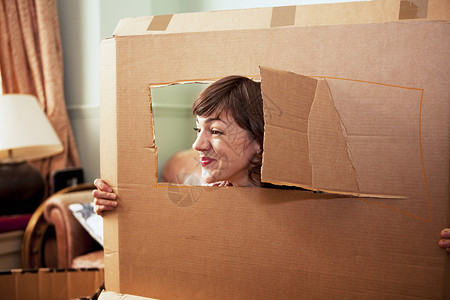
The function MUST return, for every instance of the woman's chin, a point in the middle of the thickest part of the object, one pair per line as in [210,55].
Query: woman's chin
[207,176]
[210,179]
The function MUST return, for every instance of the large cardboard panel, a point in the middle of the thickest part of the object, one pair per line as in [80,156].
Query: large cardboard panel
[269,243]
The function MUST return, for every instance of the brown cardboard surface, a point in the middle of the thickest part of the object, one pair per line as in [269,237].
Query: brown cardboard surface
[7,285]
[388,86]
[56,285]
[27,285]
[438,10]
[50,284]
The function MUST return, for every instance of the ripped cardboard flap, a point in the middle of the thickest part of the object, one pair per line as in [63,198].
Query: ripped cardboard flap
[320,135]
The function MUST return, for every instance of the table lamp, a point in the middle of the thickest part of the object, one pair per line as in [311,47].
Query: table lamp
[25,134]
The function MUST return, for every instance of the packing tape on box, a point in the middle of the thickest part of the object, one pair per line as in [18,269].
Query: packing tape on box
[283,16]
[413,9]
[159,23]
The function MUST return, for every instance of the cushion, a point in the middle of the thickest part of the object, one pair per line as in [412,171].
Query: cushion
[93,223]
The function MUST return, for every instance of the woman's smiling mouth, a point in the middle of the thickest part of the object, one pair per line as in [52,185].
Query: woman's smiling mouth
[206,160]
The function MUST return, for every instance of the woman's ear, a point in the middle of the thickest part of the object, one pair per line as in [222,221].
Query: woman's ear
[257,148]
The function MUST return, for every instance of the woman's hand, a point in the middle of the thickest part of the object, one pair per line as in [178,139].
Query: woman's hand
[104,198]
[444,243]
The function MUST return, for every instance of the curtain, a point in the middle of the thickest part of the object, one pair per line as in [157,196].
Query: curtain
[31,63]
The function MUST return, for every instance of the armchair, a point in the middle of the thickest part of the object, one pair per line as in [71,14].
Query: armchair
[75,248]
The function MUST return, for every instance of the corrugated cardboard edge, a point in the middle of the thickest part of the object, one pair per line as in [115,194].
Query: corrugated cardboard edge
[362,12]
[108,162]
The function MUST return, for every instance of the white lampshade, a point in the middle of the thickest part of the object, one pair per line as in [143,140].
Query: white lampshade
[25,131]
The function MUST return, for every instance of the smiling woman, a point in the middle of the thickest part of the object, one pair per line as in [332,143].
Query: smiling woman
[230,132]
[226,151]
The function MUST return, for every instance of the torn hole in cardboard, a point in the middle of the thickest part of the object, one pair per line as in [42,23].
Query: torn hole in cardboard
[173,123]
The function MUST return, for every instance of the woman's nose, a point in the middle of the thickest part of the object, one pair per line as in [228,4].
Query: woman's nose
[201,143]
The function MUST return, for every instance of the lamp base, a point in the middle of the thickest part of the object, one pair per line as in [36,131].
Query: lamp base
[21,188]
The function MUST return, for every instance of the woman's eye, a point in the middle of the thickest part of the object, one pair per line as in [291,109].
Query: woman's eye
[196,129]
[215,131]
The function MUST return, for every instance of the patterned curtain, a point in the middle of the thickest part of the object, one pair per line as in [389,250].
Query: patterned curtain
[31,63]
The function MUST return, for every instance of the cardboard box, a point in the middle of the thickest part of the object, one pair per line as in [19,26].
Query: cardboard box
[369,123]
[50,284]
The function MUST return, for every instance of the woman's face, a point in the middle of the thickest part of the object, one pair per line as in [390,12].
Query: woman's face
[225,149]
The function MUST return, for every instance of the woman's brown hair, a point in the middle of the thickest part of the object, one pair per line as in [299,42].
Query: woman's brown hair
[241,98]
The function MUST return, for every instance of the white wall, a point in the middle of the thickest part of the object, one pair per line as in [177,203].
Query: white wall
[209,5]
[84,23]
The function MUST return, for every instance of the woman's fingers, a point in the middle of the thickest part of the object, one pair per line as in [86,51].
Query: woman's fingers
[103,202]
[103,191]
[445,244]
[101,205]
[104,195]
[99,209]
[445,239]
[101,185]
[104,198]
